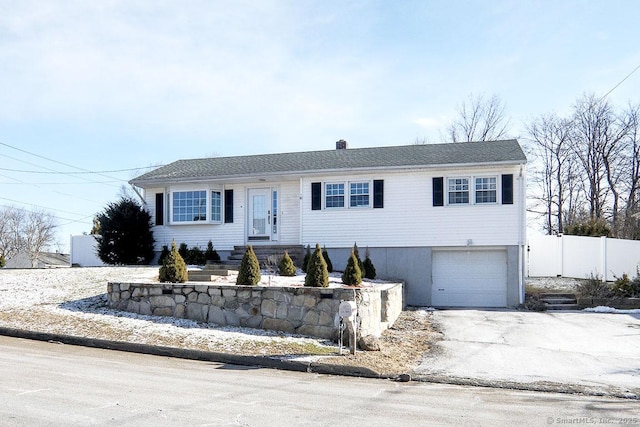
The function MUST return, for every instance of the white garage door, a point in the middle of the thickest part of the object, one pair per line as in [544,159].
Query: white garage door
[469,278]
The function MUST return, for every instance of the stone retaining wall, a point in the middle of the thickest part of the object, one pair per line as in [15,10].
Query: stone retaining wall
[298,310]
[620,303]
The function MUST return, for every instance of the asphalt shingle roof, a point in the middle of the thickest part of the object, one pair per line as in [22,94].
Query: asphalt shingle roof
[507,151]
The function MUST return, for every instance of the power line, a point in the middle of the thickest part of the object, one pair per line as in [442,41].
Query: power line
[76,173]
[620,82]
[38,206]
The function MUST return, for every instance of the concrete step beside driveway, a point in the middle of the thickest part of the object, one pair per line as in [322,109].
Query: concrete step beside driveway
[560,301]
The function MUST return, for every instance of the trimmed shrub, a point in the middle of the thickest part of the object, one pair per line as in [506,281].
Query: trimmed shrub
[286,267]
[173,268]
[163,255]
[195,256]
[305,261]
[325,255]
[317,274]
[249,273]
[3,262]
[210,254]
[352,275]
[183,250]
[357,254]
[369,269]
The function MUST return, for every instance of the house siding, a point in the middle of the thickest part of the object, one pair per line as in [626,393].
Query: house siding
[225,235]
[409,218]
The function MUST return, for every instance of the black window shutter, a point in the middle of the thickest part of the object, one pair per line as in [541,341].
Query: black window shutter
[159,208]
[228,206]
[316,196]
[507,189]
[438,191]
[378,193]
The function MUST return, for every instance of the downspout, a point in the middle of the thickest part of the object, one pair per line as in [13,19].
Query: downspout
[144,202]
[521,232]
[300,213]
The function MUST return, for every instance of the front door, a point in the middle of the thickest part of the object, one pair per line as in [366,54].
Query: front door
[260,214]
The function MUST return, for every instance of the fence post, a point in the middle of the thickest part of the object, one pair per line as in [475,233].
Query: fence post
[603,257]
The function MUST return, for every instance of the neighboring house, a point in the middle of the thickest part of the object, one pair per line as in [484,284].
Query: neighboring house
[449,219]
[44,260]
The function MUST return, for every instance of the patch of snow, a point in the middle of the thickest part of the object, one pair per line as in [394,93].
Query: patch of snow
[604,309]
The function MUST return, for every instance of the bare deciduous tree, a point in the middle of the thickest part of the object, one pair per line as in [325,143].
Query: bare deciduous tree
[550,135]
[29,231]
[38,232]
[10,233]
[479,119]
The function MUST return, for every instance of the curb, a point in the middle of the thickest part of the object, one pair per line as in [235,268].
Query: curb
[207,356]
[311,367]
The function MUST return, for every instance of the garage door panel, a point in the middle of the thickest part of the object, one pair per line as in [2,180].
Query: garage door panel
[469,278]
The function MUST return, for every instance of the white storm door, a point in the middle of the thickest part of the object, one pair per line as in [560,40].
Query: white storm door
[259,221]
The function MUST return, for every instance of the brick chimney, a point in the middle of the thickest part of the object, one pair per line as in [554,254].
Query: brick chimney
[341,145]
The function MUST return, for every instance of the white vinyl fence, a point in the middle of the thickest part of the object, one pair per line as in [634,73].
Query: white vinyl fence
[579,257]
[83,251]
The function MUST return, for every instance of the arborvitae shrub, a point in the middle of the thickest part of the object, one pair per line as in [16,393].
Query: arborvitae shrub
[3,262]
[195,256]
[369,269]
[357,254]
[164,254]
[211,254]
[352,275]
[173,268]
[249,273]
[317,274]
[286,267]
[325,255]
[183,250]
[305,261]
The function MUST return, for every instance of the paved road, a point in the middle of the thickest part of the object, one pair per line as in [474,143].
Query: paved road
[44,384]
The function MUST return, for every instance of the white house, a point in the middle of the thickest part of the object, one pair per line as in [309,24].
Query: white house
[448,219]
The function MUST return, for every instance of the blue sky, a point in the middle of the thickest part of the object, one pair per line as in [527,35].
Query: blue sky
[120,85]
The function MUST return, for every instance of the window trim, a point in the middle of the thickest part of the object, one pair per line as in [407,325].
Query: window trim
[346,185]
[170,203]
[173,220]
[326,194]
[369,185]
[468,191]
[220,206]
[472,190]
[475,189]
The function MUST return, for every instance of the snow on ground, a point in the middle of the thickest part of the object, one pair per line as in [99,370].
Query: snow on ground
[603,309]
[568,284]
[73,301]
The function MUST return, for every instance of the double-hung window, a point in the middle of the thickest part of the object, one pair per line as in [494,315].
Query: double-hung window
[216,206]
[334,195]
[486,190]
[458,191]
[358,194]
[189,206]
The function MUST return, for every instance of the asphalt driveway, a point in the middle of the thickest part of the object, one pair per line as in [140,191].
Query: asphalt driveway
[594,350]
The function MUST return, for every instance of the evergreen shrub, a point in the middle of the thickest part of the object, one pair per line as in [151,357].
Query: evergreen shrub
[286,267]
[249,272]
[352,275]
[317,274]
[325,255]
[305,261]
[173,268]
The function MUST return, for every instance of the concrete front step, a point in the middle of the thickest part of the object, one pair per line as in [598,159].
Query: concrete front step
[296,252]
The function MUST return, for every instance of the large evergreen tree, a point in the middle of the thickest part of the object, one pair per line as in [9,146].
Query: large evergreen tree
[125,234]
